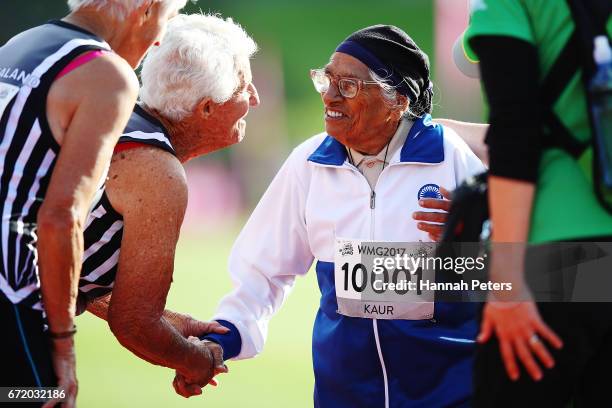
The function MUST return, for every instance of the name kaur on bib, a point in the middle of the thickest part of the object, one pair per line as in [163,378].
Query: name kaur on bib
[429,191]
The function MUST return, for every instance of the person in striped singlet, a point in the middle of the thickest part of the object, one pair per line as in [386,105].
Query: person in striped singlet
[196,91]
[54,79]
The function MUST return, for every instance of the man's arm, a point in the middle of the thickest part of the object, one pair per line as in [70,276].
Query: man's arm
[86,148]
[148,187]
[99,306]
[183,323]
[78,102]
[472,133]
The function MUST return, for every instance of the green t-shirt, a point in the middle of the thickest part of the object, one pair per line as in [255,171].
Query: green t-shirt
[565,205]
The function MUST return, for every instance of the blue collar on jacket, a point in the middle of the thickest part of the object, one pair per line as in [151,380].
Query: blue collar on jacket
[424,144]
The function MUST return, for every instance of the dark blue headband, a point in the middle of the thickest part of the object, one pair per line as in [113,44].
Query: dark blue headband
[358,51]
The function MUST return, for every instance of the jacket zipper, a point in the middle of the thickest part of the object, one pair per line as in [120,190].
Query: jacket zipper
[375,321]
[372,213]
[372,197]
[382,361]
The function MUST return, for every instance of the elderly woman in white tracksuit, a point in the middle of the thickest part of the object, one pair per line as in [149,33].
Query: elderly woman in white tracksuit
[362,179]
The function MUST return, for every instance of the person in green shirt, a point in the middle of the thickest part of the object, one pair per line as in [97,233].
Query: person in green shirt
[537,194]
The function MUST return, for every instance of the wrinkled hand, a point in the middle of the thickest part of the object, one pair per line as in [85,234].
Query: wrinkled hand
[519,330]
[185,386]
[433,222]
[188,326]
[64,364]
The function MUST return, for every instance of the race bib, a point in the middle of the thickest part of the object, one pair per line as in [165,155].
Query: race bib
[7,92]
[384,280]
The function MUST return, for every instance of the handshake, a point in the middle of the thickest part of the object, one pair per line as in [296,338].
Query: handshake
[200,371]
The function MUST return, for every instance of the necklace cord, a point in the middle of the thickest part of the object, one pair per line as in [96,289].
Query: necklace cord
[385,159]
[352,161]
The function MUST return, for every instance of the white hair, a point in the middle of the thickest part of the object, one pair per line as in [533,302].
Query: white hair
[201,56]
[389,93]
[117,9]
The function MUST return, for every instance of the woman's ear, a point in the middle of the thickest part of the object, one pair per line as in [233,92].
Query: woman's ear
[402,102]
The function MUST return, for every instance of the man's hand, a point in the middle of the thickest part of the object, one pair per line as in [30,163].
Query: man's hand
[433,222]
[186,387]
[520,330]
[188,326]
[64,364]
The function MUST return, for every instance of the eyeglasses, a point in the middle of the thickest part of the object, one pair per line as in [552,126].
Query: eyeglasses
[348,87]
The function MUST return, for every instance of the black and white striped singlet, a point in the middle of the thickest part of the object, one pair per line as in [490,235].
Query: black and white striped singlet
[29,63]
[104,226]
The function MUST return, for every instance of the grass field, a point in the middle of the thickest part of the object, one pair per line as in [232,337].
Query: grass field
[110,376]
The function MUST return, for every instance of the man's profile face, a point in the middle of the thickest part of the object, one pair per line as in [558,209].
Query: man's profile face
[229,121]
[224,124]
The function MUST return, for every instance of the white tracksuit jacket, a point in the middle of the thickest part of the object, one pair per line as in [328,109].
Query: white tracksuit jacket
[316,196]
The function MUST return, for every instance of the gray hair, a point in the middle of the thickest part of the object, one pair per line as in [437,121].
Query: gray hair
[117,9]
[201,56]
[389,93]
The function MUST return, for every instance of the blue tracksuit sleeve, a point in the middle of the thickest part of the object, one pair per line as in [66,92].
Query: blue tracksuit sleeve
[230,342]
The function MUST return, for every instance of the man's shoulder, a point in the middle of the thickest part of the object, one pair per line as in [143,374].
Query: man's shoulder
[111,74]
[113,71]
[144,129]
[149,161]
[146,175]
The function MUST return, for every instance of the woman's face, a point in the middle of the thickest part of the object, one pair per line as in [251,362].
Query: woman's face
[367,121]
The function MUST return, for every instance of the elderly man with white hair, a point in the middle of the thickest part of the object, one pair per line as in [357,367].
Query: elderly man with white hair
[56,79]
[196,90]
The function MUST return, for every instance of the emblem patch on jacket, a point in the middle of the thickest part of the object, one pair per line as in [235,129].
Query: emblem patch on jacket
[429,191]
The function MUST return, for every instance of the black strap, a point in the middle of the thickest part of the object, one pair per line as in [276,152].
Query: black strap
[590,18]
[559,136]
[562,71]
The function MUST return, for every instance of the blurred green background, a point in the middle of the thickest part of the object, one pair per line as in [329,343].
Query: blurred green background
[224,187]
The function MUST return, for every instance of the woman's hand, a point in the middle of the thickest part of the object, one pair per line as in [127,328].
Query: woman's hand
[520,331]
[186,388]
[188,326]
